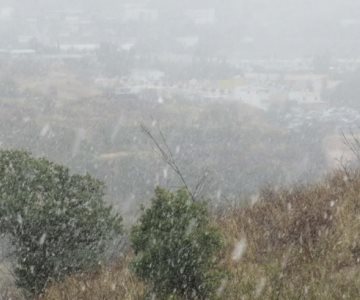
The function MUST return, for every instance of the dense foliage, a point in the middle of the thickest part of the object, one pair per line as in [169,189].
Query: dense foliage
[57,223]
[300,242]
[176,247]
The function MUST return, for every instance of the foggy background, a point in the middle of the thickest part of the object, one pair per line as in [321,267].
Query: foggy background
[247,92]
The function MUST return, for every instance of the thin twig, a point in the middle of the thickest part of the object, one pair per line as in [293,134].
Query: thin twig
[167,156]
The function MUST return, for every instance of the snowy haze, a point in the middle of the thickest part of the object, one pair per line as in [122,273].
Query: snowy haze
[249,27]
[245,92]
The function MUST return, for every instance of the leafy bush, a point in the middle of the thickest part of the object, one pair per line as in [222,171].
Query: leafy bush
[176,247]
[57,223]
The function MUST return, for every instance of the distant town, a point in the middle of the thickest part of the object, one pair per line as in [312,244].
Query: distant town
[128,54]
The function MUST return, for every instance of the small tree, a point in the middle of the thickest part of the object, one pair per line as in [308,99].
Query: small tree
[57,223]
[176,247]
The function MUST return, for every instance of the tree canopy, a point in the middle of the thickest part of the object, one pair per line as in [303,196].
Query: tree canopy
[58,223]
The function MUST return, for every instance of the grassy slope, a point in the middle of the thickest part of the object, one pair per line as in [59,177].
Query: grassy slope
[301,243]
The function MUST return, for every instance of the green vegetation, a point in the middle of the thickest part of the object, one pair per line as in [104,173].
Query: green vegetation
[176,247]
[296,243]
[58,223]
[300,242]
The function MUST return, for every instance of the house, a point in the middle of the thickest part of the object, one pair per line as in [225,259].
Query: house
[313,82]
[254,96]
[304,96]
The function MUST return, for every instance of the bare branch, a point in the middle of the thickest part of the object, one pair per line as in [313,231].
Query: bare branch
[201,183]
[167,156]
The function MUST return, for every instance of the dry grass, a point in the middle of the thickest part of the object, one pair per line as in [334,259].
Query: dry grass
[301,243]
[116,283]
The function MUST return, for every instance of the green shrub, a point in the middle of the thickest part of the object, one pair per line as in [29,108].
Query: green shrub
[57,223]
[176,247]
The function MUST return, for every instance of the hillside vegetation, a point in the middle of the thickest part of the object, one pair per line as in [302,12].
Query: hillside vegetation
[291,243]
[64,115]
